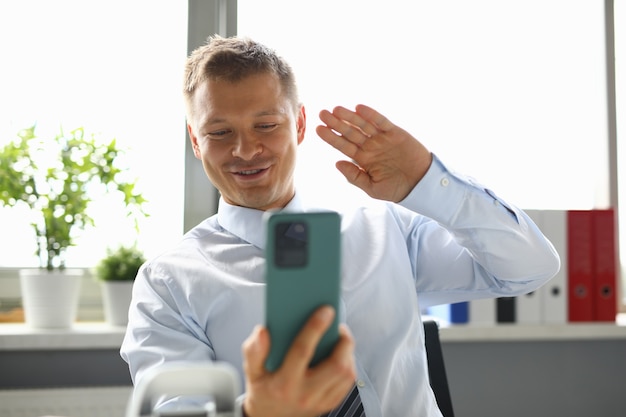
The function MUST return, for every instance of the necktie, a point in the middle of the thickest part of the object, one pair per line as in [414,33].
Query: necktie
[350,407]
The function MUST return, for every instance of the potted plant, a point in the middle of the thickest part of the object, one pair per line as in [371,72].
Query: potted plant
[117,272]
[56,179]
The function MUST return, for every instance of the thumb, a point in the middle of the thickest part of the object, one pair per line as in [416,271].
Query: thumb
[255,350]
[354,174]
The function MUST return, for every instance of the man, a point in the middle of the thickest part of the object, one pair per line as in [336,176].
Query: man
[429,237]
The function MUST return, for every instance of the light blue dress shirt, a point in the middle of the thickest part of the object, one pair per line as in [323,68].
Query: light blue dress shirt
[449,240]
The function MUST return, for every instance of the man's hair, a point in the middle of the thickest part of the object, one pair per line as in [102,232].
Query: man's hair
[233,59]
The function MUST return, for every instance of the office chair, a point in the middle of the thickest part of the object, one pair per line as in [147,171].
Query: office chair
[436,368]
[216,382]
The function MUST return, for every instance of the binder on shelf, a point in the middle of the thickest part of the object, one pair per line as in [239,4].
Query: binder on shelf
[506,310]
[482,312]
[554,294]
[455,313]
[580,265]
[552,297]
[459,312]
[605,266]
[529,308]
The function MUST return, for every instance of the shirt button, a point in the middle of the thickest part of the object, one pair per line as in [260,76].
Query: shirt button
[444,182]
[496,202]
[360,383]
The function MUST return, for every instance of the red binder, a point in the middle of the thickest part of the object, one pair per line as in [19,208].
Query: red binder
[580,265]
[605,265]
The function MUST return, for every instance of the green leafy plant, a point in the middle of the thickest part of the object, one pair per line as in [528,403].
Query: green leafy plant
[57,179]
[121,264]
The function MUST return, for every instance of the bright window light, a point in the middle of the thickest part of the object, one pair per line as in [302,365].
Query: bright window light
[113,67]
[511,93]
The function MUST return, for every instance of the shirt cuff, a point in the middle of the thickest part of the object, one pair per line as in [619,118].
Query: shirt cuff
[438,195]
[441,194]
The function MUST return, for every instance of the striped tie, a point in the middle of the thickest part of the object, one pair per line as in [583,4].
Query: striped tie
[350,407]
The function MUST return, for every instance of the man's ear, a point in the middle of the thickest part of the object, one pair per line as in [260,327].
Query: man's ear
[194,142]
[301,124]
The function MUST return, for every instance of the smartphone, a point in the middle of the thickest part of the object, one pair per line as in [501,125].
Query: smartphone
[302,273]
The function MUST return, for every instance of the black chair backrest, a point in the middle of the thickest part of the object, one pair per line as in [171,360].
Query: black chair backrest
[436,368]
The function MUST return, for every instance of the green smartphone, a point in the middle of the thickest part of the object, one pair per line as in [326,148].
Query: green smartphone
[302,273]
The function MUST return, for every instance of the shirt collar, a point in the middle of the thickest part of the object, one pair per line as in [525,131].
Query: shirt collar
[248,224]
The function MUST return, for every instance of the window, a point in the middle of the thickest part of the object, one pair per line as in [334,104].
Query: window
[512,93]
[113,67]
[489,86]
[492,87]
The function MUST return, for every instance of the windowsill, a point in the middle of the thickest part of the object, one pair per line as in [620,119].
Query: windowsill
[82,335]
[100,335]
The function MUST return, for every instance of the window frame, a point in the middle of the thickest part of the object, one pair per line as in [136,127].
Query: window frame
[206,18]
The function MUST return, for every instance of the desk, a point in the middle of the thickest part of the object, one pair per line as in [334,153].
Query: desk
[85,355]
[578,370]
[574,370]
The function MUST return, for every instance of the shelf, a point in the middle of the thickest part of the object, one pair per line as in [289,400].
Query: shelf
[520,332]
[100,335]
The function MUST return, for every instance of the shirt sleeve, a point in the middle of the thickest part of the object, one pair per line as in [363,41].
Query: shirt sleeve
[159,329]
[471,244]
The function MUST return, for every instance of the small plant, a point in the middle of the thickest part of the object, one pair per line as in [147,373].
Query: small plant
[121,264]
[57,179]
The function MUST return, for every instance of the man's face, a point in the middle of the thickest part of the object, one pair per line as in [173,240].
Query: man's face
[246,135]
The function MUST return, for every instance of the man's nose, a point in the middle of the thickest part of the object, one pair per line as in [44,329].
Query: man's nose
[247,146]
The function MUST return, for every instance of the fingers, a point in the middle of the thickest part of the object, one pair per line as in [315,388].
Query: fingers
[301,352]
[336,375]
[363,122]
[255,350]
[347,131]
[353,173]
[340,135]
[354,123]
[296,389]
[341,362]
[375,118]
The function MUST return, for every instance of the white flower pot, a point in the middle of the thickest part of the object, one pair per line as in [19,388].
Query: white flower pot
[116,297]
[50,298]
